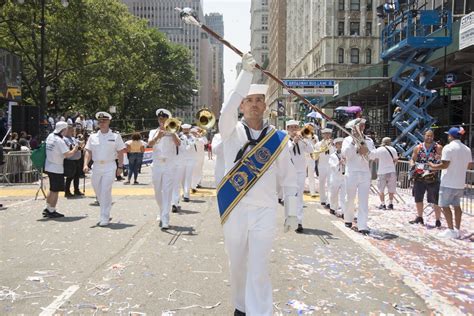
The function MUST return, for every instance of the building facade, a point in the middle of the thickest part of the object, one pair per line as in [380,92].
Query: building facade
[259,36]
[163,16]
[216,22]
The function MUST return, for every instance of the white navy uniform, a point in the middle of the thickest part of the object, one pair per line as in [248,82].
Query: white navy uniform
[218,150]
[310,166]
[337,187]
[323,170]
[104,149]
[178,177]
[163,173]
[250,228]
[197,172]
[297,153]
[190,152]
[357,179]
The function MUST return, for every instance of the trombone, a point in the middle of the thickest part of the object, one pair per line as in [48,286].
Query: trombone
[205,119]
[326,143]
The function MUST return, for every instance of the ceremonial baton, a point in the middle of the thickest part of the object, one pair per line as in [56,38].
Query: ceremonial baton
[189,16]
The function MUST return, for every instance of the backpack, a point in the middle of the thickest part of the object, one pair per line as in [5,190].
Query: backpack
[38,156]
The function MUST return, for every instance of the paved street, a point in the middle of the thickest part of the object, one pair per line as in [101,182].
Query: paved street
[71,265]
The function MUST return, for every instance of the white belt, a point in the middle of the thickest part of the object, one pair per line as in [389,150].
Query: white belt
[103,162]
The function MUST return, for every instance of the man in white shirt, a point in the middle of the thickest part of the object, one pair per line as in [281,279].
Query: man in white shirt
[218,149]
[386,173]
[311,164]
[357,175]
[325,149]
[56,151]
[201,142]
[337,187]
[456,158]
[190,153]
[163,167]
[298,147]
[250,228]
[104,147]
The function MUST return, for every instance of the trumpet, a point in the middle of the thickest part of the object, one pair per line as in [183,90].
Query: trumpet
[205,119]
[324,147]
[307,131]
[172,125]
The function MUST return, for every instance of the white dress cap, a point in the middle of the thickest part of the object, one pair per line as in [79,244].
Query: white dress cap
[292,122]
[258,89]
[160,112]
[103,115]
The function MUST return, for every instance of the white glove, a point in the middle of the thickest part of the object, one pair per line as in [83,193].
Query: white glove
[291,222]
[248,62]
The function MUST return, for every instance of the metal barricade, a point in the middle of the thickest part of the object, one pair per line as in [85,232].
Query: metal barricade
[468,199]
[18,168]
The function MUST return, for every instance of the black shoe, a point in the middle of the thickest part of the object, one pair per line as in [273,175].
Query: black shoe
[186,199]
[364,232]
[299,230]
[281,202]
[332,212]
[390,207]
[48,214]
[417,220]
[382,207]
[238,313]
[328,206]
[348,225]
[160,224]
[68,194]
[198,186]
[438,223]
[174,209]
[193,191]
[78,193]
[323,203]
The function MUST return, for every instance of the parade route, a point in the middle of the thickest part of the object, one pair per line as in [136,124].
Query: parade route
[70,265]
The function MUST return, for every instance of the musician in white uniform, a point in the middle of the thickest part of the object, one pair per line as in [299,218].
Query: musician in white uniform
[218,150]
[310,164]
[337,187]
[178,178]
[103,148]
[190,158]
[298,147]
[250,228]
[357,155]
[201,142]
[325,149]
[163,167]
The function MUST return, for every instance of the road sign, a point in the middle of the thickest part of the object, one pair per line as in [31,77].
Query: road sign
[310,86]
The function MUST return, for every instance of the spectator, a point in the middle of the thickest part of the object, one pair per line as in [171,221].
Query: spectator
[135,150]
[456,158]
[3,125]
[24,146]
[13,142]
[89,126]
[386,173]
[72,165]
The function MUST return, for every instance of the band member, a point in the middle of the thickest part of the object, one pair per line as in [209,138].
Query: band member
[218,149]
[163,167]
[298,146]
[201,142]
[247,202]
[456,159]
[357,150]
[104,147]
[426,180]
[311,164]
[324,149]
[190,151]
[337,187]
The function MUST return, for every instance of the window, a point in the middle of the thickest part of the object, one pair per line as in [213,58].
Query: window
[264,19]
[458,7]
[264,39]
[355,5]
[369,5]
[341,5]
[368,56]
[340,55]
[354,28]
[354,55]
[368,29]
[264,2]
[264,57]
[340,28]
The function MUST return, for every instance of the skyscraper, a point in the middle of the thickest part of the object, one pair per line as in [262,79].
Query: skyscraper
[216,22]
[259,36]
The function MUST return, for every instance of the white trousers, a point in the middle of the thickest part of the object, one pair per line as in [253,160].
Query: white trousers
[102,182]
[188,176]
[162,178]
[357,183]
[311,178]
[197,171]
[337,193]
[300,178]
[323,182]
[248,236]
[178,180]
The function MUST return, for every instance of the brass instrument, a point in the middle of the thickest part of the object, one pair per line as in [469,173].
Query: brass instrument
[172,125]
[205,119]
[307,131]
[326,143]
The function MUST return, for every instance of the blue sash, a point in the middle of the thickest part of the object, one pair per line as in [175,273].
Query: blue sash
[246,172]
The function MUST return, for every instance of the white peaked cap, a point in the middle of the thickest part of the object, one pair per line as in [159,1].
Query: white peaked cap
[103,115]
[258,89]
[163,111]
[292,122]
[326,130]
[338,140]
[186,126]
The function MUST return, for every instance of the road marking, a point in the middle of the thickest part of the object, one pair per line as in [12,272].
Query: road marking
[60,300]
[432,299]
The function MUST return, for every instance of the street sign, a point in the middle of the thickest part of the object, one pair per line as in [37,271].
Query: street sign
[310,86]
[280,108]
[336,89]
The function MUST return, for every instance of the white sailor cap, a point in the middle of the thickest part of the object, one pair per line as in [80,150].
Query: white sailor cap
[59,127]
[292,122]
[338,140]
[186,126]
[103,116]
[258,89]
[355,122]
[163,113]
[194,130]
[326,131]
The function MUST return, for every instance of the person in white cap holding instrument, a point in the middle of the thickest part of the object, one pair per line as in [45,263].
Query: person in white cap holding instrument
[200,142]
[357,150]
[56,151]
[165,148]
[298,147]
[324,149]
[189,157]
[337,187]
[256,162]
[103,148]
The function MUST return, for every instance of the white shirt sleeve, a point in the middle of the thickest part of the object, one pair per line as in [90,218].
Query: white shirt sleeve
[151,135]
[119,145]
[446,154]
[348,149]
[63,148]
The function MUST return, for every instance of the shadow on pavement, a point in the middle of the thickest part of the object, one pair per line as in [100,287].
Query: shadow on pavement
[189,230]
[114,226]
[65,219]
[187,212]
[316,232]
[196,201]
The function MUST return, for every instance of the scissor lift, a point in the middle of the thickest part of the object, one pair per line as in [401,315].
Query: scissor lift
[411,35]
